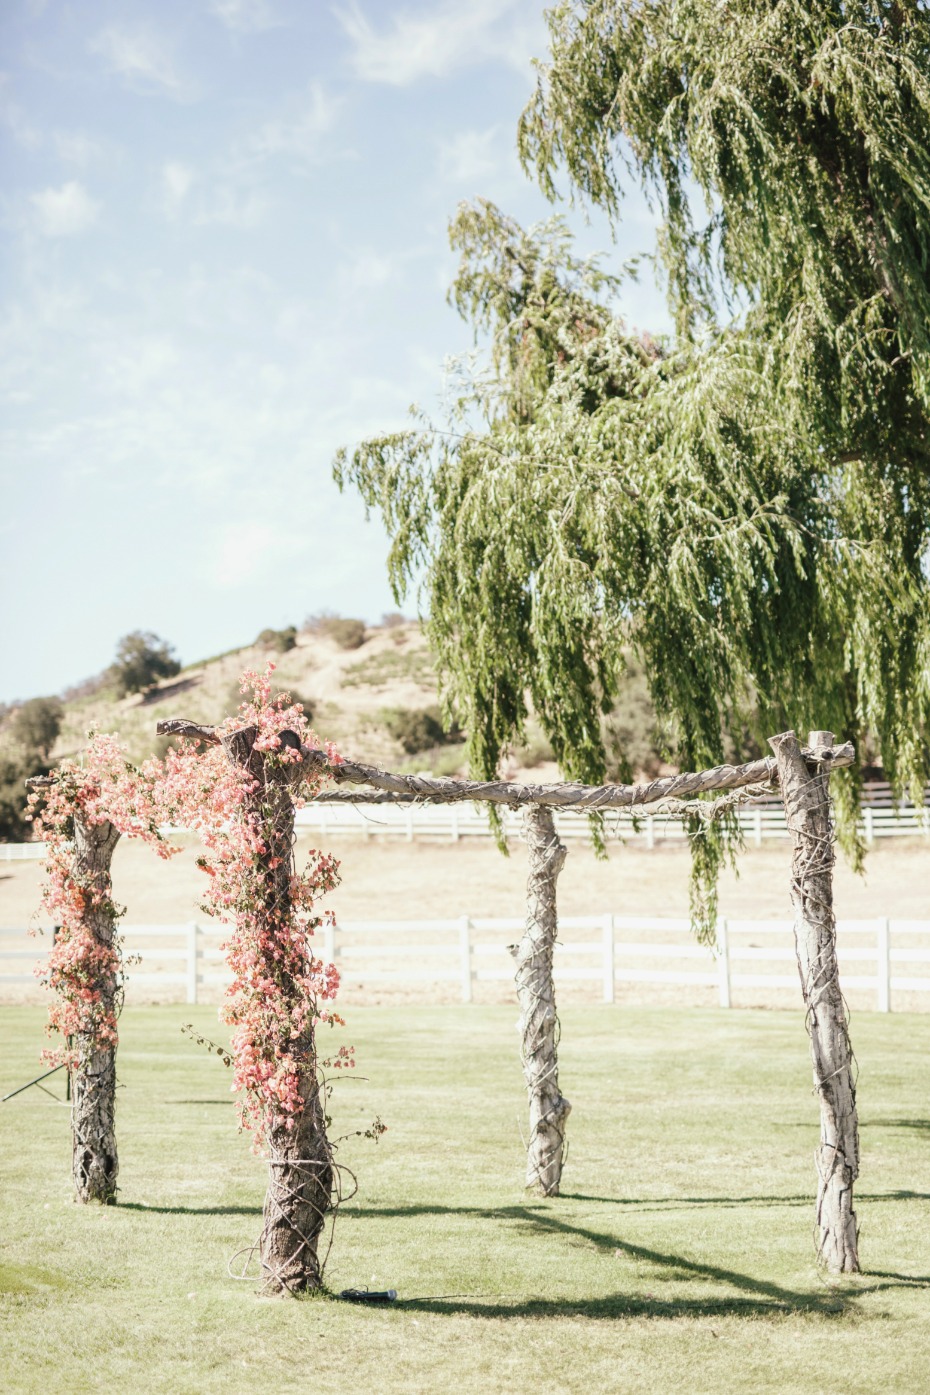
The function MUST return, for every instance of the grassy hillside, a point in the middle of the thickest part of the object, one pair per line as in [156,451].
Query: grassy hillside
[351,693]
[377,701]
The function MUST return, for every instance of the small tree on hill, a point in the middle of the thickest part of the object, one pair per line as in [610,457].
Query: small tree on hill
[37,723]
[142,660]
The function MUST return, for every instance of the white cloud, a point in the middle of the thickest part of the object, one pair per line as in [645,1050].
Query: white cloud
[245,16]
[246,552]
[138,57]
[176,182]
[232,206]
[300,132]
[469,156]
[15,119]
[76,148]
[366,270]
[65,211]
[446,36]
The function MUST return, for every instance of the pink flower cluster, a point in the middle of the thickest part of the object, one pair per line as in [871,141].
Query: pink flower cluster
[82,970]
[280,987]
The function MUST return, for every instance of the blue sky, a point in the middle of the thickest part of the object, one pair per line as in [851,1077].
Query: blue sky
[224,255]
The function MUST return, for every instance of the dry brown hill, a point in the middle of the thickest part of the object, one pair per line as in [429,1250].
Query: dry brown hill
[350,693]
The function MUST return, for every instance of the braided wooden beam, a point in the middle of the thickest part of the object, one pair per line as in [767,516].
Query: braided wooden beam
[584,798]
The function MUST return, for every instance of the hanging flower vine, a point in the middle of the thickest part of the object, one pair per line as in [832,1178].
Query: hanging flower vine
[280,988]
[102,788]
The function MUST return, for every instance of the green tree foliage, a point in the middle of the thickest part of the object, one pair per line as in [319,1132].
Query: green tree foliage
[418,728]
[786,147]
[16,766]
[597,496]
[142,659]
[28,738]
[36,724]
[743,510]
[282,641]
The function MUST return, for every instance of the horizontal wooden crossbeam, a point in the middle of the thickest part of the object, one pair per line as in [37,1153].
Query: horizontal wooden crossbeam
[395,788]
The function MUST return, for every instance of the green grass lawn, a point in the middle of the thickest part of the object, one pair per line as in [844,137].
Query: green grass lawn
[679,1259]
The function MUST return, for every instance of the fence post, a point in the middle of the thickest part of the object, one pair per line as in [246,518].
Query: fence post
[192,954]
[455,823]
[869,825]
[757,826]
[723,961]
[650,831]
[608,958]
[465,956]
[329,942]
[409,822]
[883,1002]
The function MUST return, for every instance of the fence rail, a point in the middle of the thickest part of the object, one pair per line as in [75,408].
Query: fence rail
[605,950]
[764,819]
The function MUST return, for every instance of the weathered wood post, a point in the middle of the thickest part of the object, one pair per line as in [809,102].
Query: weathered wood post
[805,790]
[94,1158]
[549,1110]
[300,1182]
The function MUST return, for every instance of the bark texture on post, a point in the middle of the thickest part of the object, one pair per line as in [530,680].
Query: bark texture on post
[95,1163]
[807,811]
[300,1183]
[539,1023]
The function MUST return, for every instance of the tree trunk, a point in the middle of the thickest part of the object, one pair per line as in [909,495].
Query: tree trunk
[807,812]
[300,1182]
[95,1164]
[539,1023]
[300,1186]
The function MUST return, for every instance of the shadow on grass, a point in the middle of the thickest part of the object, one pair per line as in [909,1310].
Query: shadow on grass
[923,1125]
[191,1210]
[670,1203]
[752,1296]
[228,1103]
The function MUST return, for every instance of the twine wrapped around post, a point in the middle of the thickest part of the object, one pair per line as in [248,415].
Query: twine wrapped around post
[301,1173]
[95,1161]
[539,1023]
[807,813]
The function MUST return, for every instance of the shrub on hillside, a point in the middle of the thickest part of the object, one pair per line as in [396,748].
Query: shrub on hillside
[15,768]
[392,619]
[35,725]
[418,729]
[348,633]
[142,659]
[280,640]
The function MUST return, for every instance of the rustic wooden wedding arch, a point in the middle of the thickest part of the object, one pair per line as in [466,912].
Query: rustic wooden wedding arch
[802,774]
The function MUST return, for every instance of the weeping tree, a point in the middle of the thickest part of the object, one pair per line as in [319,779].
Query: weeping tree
[592,497]
[742,508]
[784,147]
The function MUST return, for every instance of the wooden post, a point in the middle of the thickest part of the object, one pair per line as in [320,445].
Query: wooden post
[883,954]
[549,1110]
[465,957]
[300,1181]
[609,968]
[95,1162]
[192,952]
[805,790]
[723,961]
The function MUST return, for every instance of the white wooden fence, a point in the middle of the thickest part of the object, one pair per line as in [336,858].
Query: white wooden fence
[605,950]
[455,822]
